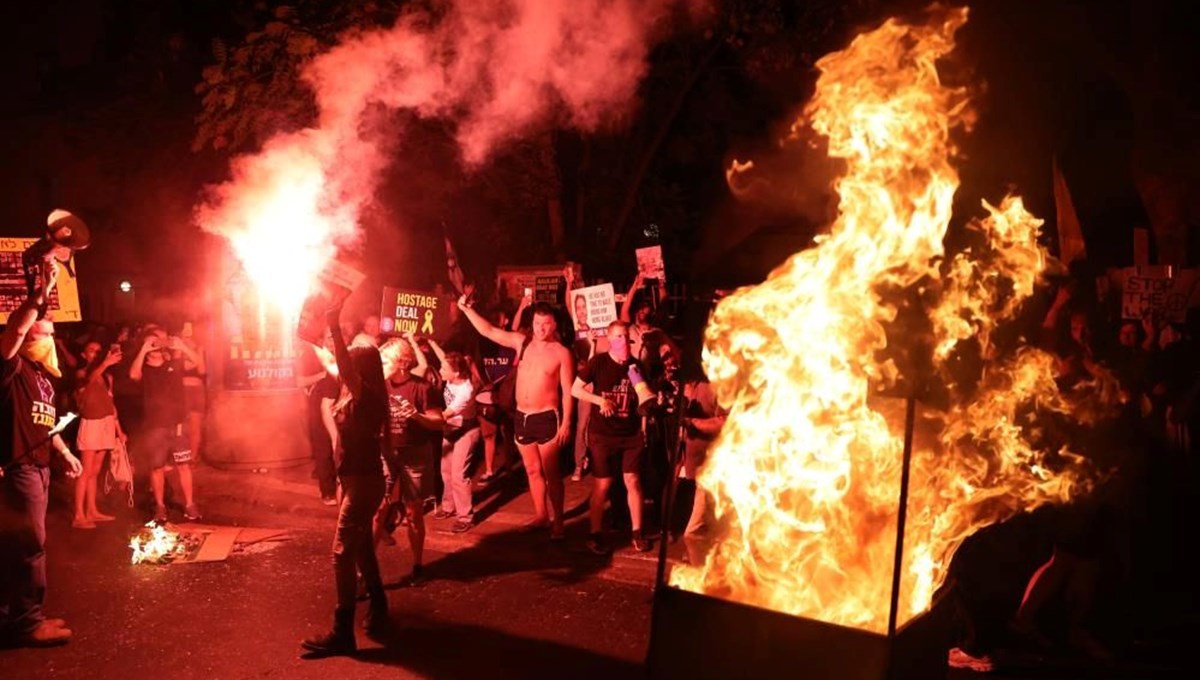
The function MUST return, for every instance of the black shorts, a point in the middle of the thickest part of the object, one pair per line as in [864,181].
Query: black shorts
[166,446]
[535,428]
[609,451]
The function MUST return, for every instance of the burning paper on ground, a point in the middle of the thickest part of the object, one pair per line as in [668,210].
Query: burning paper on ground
[162,544]
[168,544]
[806,473]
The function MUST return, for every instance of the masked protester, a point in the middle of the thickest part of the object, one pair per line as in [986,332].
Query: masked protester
[28,419]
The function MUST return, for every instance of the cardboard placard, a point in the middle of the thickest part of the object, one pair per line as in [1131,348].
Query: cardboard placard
[650,263]
[543,281]
[64,299]
[1160,291]
[405,310]
[335,283]
[601,308]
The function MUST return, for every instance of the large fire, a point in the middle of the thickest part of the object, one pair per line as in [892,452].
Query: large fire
[806,474]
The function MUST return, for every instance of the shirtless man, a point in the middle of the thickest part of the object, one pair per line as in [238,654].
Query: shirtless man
[545,373]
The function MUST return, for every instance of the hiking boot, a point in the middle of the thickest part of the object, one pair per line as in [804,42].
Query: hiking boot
[337,642]
[596,544]
[192,513]
[640,543]
[46,634]
[377,619]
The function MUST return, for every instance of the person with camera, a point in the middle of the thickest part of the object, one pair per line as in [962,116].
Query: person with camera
[159,366]
[28,422]
[99,428]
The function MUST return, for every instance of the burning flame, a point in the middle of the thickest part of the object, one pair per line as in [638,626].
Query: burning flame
[806,474]
[155,544]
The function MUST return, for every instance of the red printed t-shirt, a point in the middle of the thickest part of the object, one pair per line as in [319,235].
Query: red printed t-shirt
[27,412]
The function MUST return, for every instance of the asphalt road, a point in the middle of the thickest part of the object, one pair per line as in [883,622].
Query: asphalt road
[498,603]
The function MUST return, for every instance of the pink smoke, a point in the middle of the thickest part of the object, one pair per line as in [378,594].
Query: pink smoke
[497,69]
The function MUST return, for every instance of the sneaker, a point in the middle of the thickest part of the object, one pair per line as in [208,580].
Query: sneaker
[329,500]
[486,477]
[980,664]
[192,513]
[462,525]
[45,635]
[160,514]
[416,578]
[331,644]
[576,476]
[640,544]
[596,544]
[442,514]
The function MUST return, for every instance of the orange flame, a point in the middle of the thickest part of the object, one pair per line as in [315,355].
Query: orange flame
[806,473]
[155,544]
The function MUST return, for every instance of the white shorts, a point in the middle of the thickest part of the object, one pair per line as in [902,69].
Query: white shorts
[97,435]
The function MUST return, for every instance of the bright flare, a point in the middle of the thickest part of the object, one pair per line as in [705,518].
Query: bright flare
[806,473]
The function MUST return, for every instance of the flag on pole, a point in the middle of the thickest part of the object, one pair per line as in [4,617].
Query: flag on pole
[1070,234]
[453,270]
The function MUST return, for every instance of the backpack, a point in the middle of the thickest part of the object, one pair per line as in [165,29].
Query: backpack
[120,471]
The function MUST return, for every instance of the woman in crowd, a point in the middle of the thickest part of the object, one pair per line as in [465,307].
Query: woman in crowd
[99,429]
[459,437]
[360,414]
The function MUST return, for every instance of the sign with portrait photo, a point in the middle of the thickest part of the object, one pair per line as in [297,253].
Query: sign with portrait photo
[592,309]
[650,263]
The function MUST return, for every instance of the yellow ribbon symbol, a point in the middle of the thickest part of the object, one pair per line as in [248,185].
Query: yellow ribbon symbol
[427,327]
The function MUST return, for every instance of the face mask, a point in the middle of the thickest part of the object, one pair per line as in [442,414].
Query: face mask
[42,352]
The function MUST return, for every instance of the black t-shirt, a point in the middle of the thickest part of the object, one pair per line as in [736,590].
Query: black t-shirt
[611,381]
[327,387]
[422,395]
[359,424]
[162,390]
[27,412]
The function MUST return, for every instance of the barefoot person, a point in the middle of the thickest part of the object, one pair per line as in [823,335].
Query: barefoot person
[99,429]
[360,414]
[545,370]
[27,417]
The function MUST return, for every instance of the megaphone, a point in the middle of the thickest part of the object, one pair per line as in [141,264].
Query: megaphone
[65,234]
[647,399]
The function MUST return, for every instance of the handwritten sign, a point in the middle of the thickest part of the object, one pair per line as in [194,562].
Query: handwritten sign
[414,311]
[601,310]
[64,299]
[650,263]
[1157,291]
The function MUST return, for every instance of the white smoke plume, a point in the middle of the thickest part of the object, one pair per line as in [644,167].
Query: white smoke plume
[496,69]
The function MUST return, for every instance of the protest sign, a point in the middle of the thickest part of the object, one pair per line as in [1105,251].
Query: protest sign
[64,299]
[1160,291]
[414,311]
[650,263]
[334,284]
[261,356]
[593,308]
[544,282]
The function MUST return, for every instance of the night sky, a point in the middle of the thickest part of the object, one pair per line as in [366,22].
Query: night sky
[1104,86]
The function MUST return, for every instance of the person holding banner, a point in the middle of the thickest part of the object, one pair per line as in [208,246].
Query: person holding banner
[542,424]
[30,434]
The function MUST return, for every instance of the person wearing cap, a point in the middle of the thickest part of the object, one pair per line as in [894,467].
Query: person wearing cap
[27,430]
[613,383]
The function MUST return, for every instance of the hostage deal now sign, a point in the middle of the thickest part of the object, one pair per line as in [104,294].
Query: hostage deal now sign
[414,311]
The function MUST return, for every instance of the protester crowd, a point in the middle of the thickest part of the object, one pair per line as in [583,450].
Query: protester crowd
[407,428]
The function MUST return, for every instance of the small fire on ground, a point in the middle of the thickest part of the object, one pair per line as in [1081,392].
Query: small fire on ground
[812,363]
[159,544]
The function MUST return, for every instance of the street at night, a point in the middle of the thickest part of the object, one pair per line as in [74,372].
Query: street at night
[840,340]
